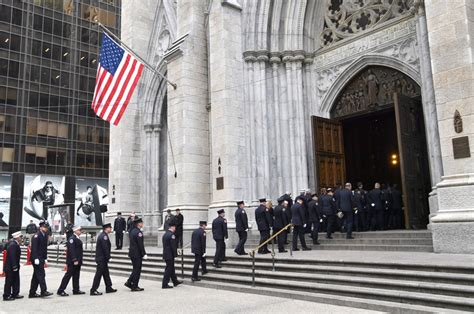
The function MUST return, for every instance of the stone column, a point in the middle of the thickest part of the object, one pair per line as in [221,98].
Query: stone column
[251,149]
[188,118]
[301,121]
[227,130]
[450,33]
[429,107]
[292,150]
[275,62]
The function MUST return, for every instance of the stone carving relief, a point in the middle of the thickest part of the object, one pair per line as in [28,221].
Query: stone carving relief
[164,42]
[346,18]
[373,89]
[407,51]
[326,78]
[457,122]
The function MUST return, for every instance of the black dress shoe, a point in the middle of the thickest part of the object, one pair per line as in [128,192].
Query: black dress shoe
[167,287]
[205,272]
[316,243]
[9,298]
[195,279]
[110,290]
[217,266]
[128,285]
[282,251]
[96,292]
[62,294]
[78,292]
[35,295]
[264,252]
[297,249]
[137,289]
[177,283]
[45,294]
[328,237]
[307,249]
[18,296]
[224,260]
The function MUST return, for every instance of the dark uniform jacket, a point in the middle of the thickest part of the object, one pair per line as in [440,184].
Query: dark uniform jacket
[198,242]
[327,205]
[261,217]
[345,201]
[360,197]
[120,225]
[39,247]
[102,249]
[241,220]
[170,246]
[281,219]
[179,219]
[375,197]
[298,214]
[136,249]
[397,201]
[313,210]
[74,250]
[219,229]
[168,219]
[13,257]
[31,229]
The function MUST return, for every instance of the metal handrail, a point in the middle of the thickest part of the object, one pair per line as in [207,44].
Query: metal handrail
[182,258]
[252,253]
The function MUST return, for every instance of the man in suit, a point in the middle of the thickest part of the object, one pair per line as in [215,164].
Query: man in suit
[179,219]
[328,210]
[120,226]
[241,226]
[12,268]
[170,252]
[130,220]
[279,223]
[360,196]
[376,207]
[167,219]
[287,212]
[397,205]
[198,248]
[74,255]
[346,203]
[137,254]
[39,257]
[102,258]
[314,218]
[299,224]
[261,217]
[219,234]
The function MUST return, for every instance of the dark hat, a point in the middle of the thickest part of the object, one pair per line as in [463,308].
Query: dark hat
[137,220]
[43,223]
[299,198]
[119,213]
[203,222]
[220,211]
[280,200]
[106,226]
[261,200]
[240,202]
[172,223]
[314,194]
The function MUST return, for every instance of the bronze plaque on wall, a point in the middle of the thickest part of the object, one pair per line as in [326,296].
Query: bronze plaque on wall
[461,147]
[220,183]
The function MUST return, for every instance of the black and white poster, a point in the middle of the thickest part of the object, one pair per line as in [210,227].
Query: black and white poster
[5,192]
[91,201]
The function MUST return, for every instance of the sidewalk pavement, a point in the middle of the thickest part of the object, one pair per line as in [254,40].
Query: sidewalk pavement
[183,299]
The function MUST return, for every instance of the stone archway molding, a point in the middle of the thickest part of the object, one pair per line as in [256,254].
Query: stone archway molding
[358,65]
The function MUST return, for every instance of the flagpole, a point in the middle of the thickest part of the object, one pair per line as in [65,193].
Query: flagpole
[145,63]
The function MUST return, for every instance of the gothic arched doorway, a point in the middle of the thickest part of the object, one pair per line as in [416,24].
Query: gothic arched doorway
[376,134]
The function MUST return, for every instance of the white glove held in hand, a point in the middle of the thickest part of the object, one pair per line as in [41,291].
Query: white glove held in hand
[145,257]
[373,204]
[37,261]
[320,220]
[304,226]
[46,261]
[204,255]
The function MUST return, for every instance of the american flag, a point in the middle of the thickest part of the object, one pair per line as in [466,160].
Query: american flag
[117,76]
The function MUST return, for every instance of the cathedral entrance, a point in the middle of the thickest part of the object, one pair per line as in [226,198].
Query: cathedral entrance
[376,134]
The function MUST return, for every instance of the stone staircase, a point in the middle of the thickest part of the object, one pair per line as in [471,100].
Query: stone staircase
[383,286]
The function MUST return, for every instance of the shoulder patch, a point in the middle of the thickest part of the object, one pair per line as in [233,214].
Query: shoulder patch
[140,234]
[71,241]
[105,237]
[173,237]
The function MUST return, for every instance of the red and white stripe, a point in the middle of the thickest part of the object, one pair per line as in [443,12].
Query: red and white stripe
[112,93]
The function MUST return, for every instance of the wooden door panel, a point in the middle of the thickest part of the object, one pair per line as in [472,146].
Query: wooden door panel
[329,152]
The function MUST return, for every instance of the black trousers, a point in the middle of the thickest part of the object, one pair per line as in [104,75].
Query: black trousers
[377,220]
[348,223]
[199,260]
[280,239]
[330,220]
[102,270]
[74,272]
[170,273]
[38,279]
[264,235]
[220,252]
[119,240]
[363,220]
[315,230]
[298,232]
[239,249]
[12,284]
[179,239]
[136,272]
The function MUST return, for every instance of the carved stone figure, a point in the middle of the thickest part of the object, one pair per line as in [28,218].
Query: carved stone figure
[457,122]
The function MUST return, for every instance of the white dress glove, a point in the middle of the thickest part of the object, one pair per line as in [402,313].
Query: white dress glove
[304,226]
[373,204]
[46,261]
[145,257]
[37,261]
[320,220]
[204,255]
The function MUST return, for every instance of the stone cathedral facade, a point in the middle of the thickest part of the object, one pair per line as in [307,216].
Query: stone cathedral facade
[276,96]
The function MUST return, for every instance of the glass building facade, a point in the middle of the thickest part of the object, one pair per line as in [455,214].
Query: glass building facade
[48,61]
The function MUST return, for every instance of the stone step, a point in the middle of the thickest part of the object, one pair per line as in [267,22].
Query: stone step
[372,234]
[384,241]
